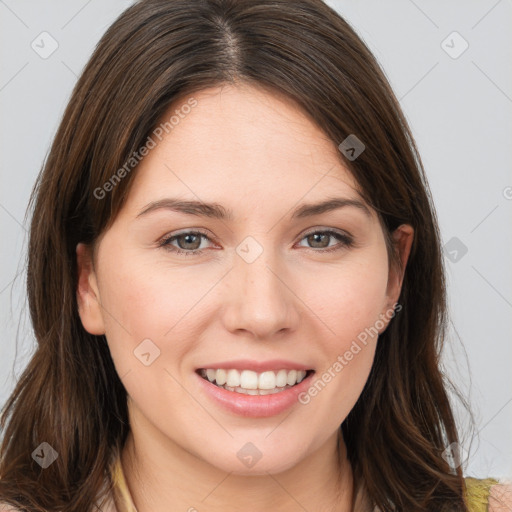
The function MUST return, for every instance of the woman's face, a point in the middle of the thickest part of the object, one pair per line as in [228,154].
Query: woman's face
[278,285]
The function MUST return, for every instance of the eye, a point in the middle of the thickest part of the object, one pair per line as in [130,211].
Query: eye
[188,243]
[320,240]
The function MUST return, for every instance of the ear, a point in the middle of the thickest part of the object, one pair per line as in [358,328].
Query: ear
[402,239]
[88,297]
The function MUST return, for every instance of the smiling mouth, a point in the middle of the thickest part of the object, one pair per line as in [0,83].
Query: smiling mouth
[248,382]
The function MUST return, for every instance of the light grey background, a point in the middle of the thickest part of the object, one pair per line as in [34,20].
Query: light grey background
[460,113]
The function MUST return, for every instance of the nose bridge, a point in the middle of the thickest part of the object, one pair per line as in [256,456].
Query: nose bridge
[261,302]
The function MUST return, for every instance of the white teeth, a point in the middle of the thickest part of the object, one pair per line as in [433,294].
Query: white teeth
[281,378]
[244,391]
[292,377]
[220,377]
[233,379]
[267,380]
[252,383]
[248,379]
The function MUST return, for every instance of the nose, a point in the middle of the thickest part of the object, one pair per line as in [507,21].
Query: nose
[261,299]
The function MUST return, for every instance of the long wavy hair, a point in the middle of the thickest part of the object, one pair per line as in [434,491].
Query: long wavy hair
[159,51]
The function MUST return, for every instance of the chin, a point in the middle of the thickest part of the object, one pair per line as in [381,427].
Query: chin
[248,461]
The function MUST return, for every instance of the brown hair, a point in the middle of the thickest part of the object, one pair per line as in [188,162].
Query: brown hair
[155,53]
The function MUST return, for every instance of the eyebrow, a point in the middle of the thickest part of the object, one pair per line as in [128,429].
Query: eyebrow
[217,211]
[308,210]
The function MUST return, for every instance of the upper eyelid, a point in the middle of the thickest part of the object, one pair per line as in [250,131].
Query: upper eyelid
[207,233]
[327,230]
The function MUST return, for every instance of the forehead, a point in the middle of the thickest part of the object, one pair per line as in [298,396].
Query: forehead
[240,142]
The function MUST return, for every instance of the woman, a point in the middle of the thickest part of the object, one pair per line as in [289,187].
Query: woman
[235,280]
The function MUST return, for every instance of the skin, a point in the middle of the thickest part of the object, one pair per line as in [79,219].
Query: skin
[256,153]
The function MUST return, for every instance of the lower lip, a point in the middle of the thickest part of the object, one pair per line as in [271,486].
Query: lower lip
[254,406]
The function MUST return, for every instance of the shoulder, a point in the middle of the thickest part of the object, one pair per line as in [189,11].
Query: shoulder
[488,494]
[500,497]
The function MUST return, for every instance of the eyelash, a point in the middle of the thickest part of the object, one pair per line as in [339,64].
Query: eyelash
[346,242]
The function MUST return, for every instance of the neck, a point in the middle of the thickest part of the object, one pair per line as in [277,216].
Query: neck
[162,476]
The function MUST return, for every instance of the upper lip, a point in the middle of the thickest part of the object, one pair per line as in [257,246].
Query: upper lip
[256,366]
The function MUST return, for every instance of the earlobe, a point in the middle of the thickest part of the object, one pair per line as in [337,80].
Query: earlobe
[87,293]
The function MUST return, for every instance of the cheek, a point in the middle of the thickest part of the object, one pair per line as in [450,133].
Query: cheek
[141,302]
[348,354]
[146,329]
[348,297]
[349,300]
